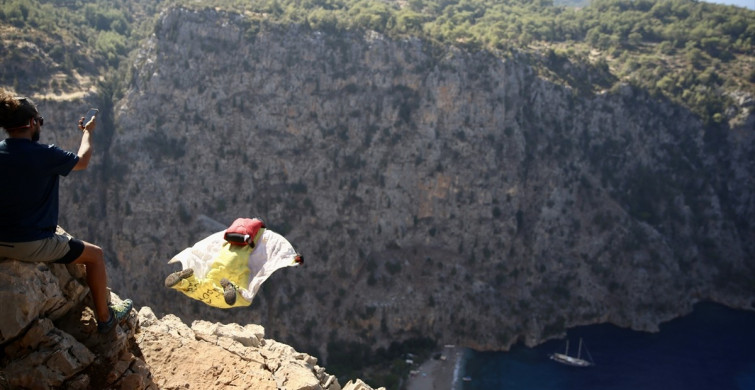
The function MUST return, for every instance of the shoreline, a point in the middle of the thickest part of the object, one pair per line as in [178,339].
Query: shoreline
[438,373]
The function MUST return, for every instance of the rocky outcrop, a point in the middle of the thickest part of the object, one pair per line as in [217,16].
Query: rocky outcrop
[434,192]
[49,340]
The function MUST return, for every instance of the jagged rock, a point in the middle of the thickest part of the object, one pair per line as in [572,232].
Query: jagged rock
[293,375]
[215,355]
[36,290]
[58,347]
[249,335]
[49,334]
[54,355]
[356,385]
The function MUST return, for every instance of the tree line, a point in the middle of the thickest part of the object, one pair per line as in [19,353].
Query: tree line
[690,51]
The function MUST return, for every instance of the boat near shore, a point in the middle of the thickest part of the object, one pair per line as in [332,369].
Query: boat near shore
[573,361]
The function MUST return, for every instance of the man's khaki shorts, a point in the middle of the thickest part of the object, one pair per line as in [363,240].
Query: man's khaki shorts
[60,248]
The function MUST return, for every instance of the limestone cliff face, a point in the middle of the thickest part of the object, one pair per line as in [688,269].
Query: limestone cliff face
[433,192]
[49,340]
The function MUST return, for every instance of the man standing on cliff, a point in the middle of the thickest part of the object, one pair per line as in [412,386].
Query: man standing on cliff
[29,231]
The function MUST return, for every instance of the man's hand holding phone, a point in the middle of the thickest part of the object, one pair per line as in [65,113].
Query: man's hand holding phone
[89,121]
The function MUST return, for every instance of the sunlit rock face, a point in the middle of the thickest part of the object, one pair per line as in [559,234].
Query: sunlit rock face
[49,340]
[433,192]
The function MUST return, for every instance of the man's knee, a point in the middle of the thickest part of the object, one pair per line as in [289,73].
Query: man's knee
[92,254]
[96,249]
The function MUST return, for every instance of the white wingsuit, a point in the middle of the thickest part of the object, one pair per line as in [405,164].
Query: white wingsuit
[213,259]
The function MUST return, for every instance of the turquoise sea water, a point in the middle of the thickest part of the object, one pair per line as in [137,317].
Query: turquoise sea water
[713,348]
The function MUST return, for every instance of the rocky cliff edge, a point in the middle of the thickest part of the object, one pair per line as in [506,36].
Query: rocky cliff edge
[49,339]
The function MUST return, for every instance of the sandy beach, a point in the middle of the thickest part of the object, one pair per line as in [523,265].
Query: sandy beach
[436,374]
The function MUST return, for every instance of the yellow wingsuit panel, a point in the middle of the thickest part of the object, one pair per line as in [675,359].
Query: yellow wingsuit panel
[231,263]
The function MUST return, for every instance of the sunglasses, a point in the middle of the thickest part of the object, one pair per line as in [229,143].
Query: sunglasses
[39,119]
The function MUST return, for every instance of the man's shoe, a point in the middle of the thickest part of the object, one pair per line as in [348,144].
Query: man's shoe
[178,276]
[229,291]
[117,314]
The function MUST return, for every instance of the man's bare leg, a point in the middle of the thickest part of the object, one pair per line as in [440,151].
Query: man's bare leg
[94,259]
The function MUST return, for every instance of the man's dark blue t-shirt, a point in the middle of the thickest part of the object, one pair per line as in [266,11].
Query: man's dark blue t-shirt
[29,173]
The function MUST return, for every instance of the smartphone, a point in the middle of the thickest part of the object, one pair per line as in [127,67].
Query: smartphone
[90,114]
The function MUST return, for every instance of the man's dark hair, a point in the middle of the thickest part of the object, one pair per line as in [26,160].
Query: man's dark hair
[15,111]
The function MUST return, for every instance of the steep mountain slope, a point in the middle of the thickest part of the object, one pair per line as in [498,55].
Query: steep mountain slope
[433,192]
